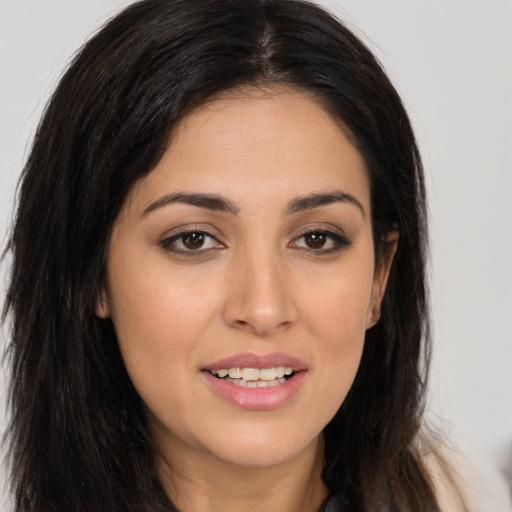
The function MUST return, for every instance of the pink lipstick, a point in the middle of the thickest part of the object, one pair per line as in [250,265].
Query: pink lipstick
[256,382]
[251,360]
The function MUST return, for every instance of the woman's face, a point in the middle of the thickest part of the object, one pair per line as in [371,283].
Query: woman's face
[241,279]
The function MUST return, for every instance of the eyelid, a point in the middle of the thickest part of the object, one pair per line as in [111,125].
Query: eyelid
[341,240]
[181,231]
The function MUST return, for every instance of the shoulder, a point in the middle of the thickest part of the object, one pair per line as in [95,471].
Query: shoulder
[458,485]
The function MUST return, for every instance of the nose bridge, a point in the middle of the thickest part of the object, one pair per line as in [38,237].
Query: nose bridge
[260,298]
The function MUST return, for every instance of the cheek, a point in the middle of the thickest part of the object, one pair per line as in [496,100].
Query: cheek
[158,304]
[337,306]
[337,317]
[158,321]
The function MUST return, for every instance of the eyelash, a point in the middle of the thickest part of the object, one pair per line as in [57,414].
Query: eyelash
[339,242]
[167,243]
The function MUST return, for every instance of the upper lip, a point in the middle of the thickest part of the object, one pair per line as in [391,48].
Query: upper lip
[251,360]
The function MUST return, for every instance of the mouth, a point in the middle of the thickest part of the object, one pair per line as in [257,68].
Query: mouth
[256,382]
[247,377]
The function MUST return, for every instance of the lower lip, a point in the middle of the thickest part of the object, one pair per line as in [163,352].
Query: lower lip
[256,399]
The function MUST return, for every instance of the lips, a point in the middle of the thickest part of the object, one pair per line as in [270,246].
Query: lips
[256,382]
[251,360]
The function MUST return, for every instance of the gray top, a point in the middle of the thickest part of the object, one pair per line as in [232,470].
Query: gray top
[333,504]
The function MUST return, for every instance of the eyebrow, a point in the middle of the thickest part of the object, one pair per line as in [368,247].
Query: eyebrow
[220,204]
[312,201]
[209,201]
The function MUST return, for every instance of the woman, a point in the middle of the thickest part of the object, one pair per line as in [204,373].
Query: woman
[218,292]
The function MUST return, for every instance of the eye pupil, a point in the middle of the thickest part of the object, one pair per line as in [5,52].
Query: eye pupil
[315,240]
[193,240]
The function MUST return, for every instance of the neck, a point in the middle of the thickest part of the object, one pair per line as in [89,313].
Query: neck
[196,482]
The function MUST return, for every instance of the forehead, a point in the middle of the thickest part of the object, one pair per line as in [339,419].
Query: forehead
[259,142]
[253,109]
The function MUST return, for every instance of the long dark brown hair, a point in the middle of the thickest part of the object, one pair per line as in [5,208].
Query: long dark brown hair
[78,436]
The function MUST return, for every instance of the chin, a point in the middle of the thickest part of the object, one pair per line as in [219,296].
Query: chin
[259,450]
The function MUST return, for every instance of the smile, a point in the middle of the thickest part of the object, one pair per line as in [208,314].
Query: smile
[256,382]
[254,377]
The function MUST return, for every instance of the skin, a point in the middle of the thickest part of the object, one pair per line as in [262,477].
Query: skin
[256,285]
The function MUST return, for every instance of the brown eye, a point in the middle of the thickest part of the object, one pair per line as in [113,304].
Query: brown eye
[321,242]
[193,240]
[315,240]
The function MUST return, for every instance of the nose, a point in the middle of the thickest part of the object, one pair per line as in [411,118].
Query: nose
[259,294]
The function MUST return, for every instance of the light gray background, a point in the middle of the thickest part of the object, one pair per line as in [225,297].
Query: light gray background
[452,62]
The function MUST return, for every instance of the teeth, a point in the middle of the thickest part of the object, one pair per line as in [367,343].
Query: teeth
[267,374]
[270,383]
[255,384]
[250,374]
[254,375]
[235,373]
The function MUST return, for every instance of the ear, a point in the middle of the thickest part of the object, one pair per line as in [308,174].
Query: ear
[380,278]
[102,309]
